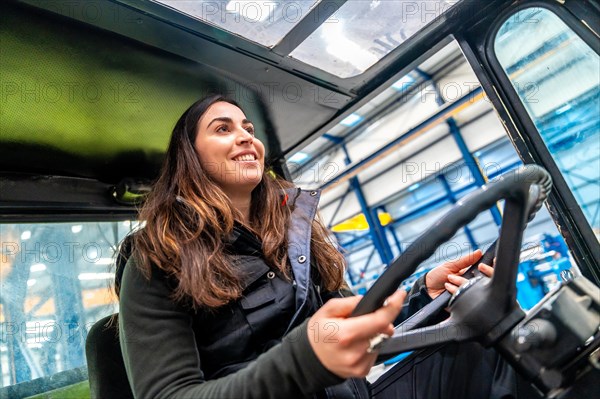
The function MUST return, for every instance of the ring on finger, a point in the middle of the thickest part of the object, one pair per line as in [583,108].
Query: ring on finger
[376,342]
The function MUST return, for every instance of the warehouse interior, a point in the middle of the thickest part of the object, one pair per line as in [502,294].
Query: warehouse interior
[387,170]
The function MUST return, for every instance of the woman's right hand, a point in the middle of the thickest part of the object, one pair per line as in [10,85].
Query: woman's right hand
[341,342]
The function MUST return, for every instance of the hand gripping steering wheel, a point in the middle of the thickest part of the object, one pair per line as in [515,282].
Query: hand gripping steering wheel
[482,309]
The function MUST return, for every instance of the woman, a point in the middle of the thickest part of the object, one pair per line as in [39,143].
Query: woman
[229,289]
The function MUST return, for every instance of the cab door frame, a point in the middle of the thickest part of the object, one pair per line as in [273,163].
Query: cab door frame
[476,43]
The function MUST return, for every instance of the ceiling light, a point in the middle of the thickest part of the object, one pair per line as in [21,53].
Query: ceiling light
[414,187]
[95,276]
[562,109]
[403,83]
[298,157]
[344,49]
[351,120]
[38,267]
[252,11]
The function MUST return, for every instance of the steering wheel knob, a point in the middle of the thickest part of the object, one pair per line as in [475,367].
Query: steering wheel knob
[463,288]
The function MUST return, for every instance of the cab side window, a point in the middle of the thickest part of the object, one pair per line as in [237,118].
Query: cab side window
[55,280]
[557,77]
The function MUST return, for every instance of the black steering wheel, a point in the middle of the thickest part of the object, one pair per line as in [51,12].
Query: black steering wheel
[482,309]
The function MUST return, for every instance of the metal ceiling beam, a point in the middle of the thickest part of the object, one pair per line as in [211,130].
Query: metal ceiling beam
[381,111]
[307,25]
[439,117]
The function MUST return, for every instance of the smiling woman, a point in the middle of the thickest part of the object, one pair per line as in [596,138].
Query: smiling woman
[204,191]
[229,152]
[214,255]
[234,287]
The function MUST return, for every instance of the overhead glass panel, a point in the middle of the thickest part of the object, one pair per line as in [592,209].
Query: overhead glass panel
[361,33]
[263,22]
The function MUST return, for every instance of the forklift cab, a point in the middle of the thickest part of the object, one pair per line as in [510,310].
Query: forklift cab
[400,112]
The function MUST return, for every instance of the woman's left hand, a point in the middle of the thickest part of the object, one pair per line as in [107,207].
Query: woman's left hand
[448,276]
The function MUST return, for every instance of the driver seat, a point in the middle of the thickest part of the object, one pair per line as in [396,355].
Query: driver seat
[106,369]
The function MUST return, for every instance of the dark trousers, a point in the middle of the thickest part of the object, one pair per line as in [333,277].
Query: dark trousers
[452,371]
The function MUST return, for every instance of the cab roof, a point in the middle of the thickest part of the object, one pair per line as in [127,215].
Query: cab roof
[91,91]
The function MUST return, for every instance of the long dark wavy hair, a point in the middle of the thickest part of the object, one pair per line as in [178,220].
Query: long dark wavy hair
[188,218]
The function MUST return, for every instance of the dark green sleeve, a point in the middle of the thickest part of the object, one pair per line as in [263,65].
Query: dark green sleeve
[416,299]
[162,360]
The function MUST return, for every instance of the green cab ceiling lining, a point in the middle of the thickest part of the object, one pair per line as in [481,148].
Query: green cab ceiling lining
[78,101]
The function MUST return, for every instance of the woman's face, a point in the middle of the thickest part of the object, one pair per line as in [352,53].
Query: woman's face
[228,150]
